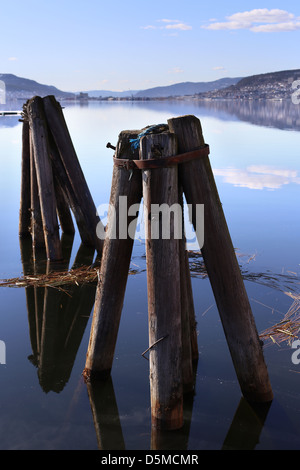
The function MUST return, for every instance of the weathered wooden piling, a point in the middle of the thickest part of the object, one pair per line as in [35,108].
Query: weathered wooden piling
[52,182]
[199,186]
[190,353]
[25,204]
[160,186]
[115,260]
[63,210]
[64,145]
[36,224]
[44,177]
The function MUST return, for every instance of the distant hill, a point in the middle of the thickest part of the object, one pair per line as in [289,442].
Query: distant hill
[255,81]
[272,85]
[186,88]
[17,87]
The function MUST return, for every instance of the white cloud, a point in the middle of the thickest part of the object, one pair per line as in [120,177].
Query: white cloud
[220,67]
[12,59]
[181,26]
[262,16]
[176,70]
[258,21]
[169,24]
[274,28]
[168,21]
[149,26]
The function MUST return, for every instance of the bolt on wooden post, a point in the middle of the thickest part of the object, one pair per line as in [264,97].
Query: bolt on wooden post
[221,263]
[160,186]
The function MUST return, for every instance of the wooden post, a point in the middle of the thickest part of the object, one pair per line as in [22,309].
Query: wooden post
[62,139]
[221,263]
[70,193]
[160,186]
[43,167]
[115,262]
[25,215]
[37,233]
[63,210]
[190,352]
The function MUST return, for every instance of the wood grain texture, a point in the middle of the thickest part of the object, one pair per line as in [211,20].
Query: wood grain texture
[160,186]
[221,263]
[39,134]
[76,180]
[115,263]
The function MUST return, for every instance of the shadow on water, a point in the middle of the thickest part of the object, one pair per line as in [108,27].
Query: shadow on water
[57,320]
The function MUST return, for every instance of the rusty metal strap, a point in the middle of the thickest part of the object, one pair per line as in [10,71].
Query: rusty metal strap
[162,162]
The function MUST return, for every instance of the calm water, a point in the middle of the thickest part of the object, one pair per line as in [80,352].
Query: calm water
[44,403]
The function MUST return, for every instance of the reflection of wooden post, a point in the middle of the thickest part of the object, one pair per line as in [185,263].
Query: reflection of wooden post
[44,177]
[115,261]
[247,425]
[62,139]
[105,415]
[160,186]
[221,264]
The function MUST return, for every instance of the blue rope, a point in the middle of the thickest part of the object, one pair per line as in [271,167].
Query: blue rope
[135,143]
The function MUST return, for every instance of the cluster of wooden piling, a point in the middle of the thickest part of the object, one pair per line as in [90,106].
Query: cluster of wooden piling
[171,315]
[160,165]
[53,185]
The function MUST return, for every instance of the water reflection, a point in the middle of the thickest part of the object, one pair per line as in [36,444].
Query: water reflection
[57,318]
[243,433]
[277,114]
[281,114]
[246,426]
[258,177]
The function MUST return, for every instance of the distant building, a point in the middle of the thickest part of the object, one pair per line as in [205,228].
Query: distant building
[83,96]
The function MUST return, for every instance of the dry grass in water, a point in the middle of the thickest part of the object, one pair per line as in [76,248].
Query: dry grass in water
[57,279]
[285,330]
[288,329]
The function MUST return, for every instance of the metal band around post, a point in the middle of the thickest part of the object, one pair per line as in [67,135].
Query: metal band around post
[162,162]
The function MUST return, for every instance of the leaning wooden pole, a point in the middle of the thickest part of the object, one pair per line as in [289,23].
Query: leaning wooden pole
[44,175]
[36,224]
[25,215]
[126,194]
[221,263]
[61,137]
[160,187]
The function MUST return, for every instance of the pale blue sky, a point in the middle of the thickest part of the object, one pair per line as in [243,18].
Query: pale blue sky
[135,44]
